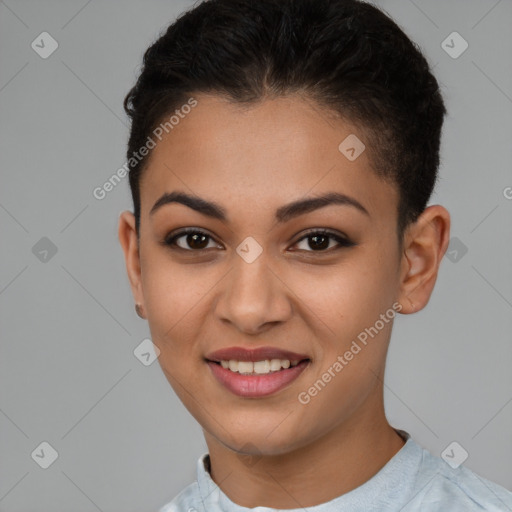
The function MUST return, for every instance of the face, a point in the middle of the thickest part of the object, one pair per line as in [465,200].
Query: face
[255,274]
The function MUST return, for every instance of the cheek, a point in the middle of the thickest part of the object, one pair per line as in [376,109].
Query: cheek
[374,279]
[347,323]
[174,296]
[348,297]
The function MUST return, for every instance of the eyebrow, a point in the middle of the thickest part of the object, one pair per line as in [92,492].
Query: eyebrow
[283,214]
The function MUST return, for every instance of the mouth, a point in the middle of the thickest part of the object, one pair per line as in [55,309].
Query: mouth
[254,355]
[256,373]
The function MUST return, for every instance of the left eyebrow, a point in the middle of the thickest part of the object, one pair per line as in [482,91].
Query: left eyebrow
[283,214]
[302,206]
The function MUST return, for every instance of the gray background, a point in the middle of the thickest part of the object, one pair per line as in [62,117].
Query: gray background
[68,374]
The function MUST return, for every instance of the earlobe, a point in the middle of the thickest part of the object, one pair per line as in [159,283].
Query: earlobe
[128,239]
[425,244]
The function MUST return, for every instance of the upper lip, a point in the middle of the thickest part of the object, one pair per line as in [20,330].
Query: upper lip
[255,354]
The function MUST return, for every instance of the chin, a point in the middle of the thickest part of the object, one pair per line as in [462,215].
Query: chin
[258,443]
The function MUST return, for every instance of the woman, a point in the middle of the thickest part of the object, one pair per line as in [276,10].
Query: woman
[282,156]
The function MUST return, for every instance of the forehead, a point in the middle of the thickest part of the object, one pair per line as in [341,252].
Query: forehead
[272,152]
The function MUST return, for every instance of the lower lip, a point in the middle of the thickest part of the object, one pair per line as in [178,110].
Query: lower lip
[255,386]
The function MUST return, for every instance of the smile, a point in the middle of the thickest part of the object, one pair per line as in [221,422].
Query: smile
[257,379]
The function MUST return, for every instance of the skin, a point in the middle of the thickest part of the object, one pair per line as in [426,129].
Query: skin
[295,296]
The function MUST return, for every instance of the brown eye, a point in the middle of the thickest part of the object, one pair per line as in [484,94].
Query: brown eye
[319,241]
[193,240]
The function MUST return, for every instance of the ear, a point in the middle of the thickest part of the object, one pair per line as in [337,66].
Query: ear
[425,243]
[128,239]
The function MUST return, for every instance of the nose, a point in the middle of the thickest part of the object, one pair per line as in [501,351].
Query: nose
[255,296]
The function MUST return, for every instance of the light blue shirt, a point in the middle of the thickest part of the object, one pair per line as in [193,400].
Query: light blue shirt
[413,480]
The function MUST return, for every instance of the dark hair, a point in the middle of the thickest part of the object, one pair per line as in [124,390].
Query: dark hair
[347,55]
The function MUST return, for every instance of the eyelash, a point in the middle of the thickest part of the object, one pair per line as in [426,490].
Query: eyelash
[343,242]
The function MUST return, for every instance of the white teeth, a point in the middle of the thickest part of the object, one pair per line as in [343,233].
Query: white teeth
[245,366]
[262,366]
[258,367]
[275,364]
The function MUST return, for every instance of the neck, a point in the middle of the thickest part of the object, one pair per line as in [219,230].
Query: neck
[343,459]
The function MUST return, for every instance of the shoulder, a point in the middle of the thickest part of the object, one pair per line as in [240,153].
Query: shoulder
[442,487]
